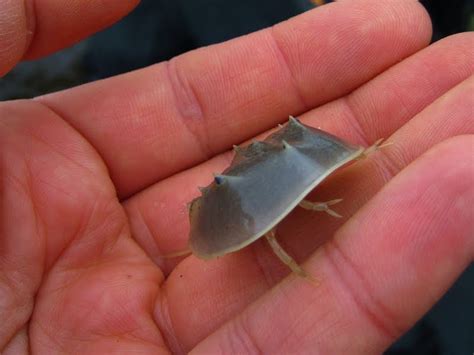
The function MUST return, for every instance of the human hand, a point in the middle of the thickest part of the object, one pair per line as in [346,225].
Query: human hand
[95,182]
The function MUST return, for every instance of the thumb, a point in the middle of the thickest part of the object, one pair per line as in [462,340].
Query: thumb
[31,29]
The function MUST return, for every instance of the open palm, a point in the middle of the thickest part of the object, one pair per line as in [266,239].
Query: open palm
[95,181]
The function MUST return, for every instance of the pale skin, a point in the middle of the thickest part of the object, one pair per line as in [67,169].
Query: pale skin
[95,181]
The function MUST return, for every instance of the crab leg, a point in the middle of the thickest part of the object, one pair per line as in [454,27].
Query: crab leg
[177,254]
[285,258]
[373,148]
[321,206]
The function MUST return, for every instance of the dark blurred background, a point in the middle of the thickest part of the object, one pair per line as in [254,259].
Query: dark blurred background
[160,29]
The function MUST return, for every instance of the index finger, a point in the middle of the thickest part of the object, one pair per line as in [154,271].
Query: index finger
[154,122]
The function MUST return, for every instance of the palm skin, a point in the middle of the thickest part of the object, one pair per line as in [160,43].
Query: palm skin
[95,182]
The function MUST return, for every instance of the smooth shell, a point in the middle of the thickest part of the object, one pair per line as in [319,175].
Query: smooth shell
[265,181]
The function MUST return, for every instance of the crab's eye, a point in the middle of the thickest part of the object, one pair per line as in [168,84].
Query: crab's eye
[219,180]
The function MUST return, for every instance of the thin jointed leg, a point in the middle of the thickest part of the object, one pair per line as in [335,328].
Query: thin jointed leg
[177,254]
[285,258]
[321,206]
[373,148]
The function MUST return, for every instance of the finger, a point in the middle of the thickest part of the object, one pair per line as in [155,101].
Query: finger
[383,270]
[255,269]
[157,121]
[30,29]
[15,32]
[159,214]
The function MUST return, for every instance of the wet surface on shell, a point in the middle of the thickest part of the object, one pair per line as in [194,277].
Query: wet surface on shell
[264,182]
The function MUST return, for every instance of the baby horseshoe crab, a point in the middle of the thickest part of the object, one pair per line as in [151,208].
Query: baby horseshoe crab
[264,183]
